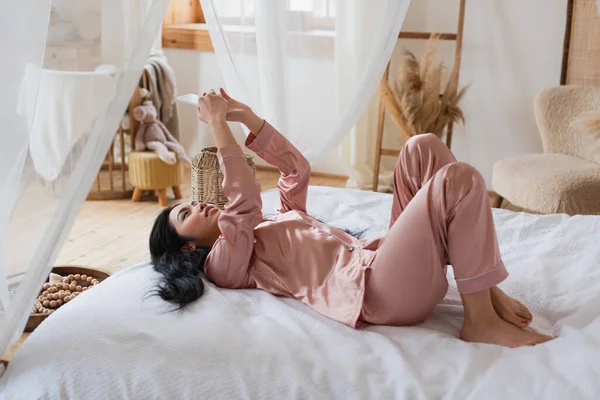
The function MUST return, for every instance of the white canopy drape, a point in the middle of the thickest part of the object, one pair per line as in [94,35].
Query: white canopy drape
[308,66]
[69,70]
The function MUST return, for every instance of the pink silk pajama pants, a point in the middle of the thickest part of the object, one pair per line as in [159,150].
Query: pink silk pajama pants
[440,215]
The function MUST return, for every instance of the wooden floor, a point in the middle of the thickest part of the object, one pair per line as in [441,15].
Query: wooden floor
[111,235]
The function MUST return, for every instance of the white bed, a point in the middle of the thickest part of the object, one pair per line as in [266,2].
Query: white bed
[112,343]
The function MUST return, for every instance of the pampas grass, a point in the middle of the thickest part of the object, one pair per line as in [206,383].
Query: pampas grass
[420,102]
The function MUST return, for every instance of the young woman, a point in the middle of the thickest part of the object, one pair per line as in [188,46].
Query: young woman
[440,215]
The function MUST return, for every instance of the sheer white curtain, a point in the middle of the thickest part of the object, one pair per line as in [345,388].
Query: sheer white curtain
[73,66]
[357,149]
[308,66]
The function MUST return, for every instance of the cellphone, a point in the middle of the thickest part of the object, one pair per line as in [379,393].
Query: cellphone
[189,99]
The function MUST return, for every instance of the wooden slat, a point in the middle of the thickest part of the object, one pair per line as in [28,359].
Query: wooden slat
[134,101]
[567,43]
[584,45]
[181,12]
[186,37]
[390,152]
[459,37]
[426,35]
[380,125]
[198,12]
[122,146]
[457,60]
[10,352]
[111,162]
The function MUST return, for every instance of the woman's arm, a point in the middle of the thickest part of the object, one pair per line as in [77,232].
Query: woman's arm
[275,149]
[227,263]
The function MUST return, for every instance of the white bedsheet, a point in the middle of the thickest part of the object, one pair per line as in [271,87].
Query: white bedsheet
[113,343]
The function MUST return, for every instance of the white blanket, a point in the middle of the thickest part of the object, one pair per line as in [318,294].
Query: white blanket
[113,342]
[62,110]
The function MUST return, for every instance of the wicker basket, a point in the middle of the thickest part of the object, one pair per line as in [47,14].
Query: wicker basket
[207,177]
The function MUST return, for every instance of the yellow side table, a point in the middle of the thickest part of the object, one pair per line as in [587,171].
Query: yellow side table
[148,172]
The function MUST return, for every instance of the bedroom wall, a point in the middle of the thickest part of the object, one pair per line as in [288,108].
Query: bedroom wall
[512,50]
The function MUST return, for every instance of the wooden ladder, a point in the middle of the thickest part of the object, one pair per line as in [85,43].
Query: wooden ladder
[458,38]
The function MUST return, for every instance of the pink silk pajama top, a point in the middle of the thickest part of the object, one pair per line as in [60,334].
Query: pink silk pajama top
[293,255]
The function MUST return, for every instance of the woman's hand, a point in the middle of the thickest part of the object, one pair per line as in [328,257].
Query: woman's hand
[236,110]
[212,108]
[240,112]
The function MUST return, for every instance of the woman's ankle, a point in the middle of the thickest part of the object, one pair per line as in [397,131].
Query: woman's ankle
[478,307]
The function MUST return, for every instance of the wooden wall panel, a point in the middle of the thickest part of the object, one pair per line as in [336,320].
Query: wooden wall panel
[584,45]
[182,12]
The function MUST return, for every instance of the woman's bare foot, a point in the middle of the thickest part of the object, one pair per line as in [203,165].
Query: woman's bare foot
[482,324]
[495,330]
[509,309]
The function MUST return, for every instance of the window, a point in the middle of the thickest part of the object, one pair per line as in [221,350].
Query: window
[319,8]
[311,14]
[183,24]
[237,8]
[322,12]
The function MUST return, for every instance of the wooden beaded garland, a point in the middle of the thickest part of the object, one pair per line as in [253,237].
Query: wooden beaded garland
[55,294]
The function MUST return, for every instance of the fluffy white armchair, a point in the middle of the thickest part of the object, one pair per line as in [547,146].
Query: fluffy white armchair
[566,177]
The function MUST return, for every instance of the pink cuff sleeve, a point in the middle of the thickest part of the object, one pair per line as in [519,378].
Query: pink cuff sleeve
[257,143]
[275,149]
[483,281]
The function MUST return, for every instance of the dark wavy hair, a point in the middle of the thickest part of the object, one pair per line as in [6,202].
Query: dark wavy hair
[182,272]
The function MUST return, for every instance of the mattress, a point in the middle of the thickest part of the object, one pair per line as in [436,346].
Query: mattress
[115,341]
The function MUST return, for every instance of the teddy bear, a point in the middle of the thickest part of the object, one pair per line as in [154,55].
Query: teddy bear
[154,135]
